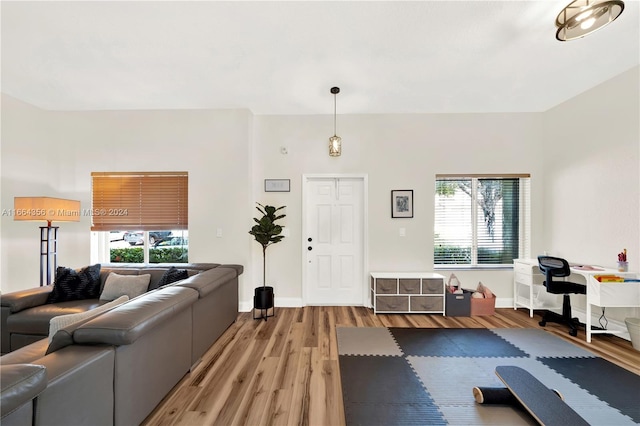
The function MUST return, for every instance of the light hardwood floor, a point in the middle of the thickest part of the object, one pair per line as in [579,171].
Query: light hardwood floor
[284,371]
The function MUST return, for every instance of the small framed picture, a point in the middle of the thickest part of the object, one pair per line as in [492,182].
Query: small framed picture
[277,185]
[402,203]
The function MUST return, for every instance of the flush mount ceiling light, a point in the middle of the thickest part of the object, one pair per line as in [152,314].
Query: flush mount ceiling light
[335,142]
[582,17]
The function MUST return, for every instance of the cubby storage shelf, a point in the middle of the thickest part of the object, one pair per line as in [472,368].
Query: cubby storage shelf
[407,292]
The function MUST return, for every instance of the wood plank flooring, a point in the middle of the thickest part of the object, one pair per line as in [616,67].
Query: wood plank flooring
[284,371]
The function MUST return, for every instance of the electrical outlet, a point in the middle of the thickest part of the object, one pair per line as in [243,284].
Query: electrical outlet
[403,232]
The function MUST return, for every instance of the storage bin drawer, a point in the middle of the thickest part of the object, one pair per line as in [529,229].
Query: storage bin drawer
[427,303]
[432,286]
[458,305]
[392,303]
[409,286]
[386,286]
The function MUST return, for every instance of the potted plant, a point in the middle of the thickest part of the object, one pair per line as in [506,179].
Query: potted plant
[266,232]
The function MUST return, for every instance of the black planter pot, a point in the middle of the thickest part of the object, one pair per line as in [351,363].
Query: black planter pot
[263,302]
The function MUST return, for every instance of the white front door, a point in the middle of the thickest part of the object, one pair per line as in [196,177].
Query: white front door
[334,241]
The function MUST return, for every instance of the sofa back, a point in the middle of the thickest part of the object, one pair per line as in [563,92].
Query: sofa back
[156,270]
[127,322]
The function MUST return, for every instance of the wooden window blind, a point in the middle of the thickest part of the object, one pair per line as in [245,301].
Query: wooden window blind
[141,201]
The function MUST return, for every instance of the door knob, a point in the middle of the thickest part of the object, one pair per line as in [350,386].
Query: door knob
[309,248]
[309,239]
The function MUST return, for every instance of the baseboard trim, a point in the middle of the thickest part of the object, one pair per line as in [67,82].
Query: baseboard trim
[280,302]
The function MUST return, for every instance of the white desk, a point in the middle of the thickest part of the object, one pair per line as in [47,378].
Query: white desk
[528,291]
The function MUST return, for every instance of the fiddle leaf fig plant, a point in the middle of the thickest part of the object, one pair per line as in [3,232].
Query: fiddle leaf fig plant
[266,232]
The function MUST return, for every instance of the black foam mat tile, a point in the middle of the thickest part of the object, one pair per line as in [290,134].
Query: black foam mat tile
[384,390]
[379,380]
[603,378]
[454,343]
[366,414]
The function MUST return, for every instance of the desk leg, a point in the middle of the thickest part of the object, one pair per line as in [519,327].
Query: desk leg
[588,323]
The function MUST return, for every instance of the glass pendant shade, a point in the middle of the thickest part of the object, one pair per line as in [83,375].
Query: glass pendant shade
[335,142]
[335,146]
[582,17]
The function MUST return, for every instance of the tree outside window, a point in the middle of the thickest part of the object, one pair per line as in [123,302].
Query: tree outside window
[480,220]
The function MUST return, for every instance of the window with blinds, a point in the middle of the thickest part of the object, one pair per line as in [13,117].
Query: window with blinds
[139,201]
[481,219]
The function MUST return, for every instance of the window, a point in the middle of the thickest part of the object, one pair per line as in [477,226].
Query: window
[481,220]
[141,217]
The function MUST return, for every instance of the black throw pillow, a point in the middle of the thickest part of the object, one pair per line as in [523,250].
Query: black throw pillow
[171,275]
[75,285]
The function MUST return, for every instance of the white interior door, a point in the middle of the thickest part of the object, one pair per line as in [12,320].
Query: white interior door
[334,241]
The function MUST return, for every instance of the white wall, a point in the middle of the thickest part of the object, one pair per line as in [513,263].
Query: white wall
[579,210]
[397,152]
[213,146]
[28,169]
[592,174]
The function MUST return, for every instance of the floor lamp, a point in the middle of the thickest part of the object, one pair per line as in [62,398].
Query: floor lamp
[47,209]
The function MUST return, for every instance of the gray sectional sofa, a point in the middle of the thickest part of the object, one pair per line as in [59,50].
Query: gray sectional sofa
[114,368]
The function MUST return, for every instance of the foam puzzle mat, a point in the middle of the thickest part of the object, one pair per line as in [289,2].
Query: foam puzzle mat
[407,376]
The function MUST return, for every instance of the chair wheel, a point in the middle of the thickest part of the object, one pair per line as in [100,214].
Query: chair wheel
[542,323]
[573,333]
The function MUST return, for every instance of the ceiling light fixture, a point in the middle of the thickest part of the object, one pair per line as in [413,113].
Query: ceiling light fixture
[335,142]
[582,17]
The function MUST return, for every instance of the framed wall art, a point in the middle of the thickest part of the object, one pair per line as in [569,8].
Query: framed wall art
[401,203]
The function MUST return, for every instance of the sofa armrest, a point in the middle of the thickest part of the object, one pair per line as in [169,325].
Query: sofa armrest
[208,281]
[17,301]
[239,268]
[25,299]
[20,384]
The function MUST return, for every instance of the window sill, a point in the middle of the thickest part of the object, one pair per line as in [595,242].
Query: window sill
[473,267]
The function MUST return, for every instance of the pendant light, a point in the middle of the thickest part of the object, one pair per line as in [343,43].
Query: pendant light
[582,17]
[335,141]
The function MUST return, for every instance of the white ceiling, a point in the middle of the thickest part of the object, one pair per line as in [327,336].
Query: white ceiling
[283,57]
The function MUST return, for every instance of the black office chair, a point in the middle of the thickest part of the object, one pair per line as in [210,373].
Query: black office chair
[556,267]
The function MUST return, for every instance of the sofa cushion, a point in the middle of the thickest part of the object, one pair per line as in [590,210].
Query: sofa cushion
[61,327]
[124,285]
[35,321]
[71,285]
[170,276]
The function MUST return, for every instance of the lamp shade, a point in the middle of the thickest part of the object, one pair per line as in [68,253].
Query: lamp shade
[582,17]
[46,209]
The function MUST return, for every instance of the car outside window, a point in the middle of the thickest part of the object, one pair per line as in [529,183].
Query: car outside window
[149,246]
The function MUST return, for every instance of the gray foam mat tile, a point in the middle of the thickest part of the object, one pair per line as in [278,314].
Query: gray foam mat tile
[450,380]
[538,343]
[366,341]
